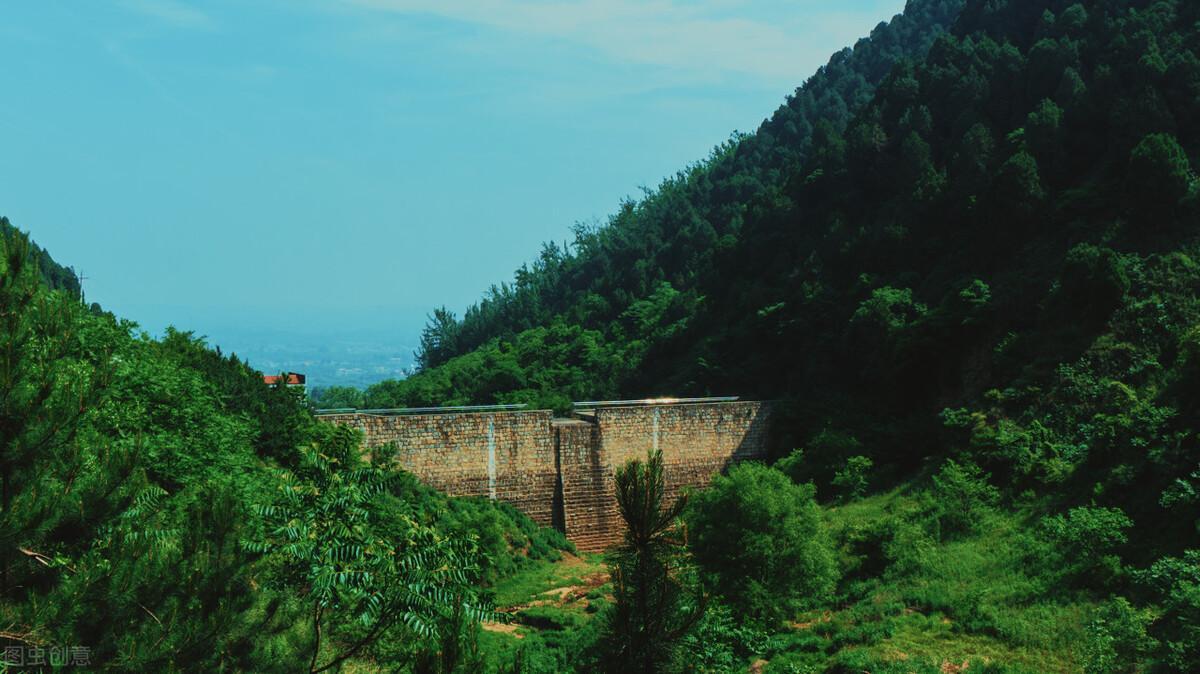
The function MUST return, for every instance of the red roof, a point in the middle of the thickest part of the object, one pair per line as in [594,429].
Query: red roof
[293,379]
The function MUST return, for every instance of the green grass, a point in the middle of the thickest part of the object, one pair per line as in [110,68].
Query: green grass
[922,603]
[531,584]
[549,603]
[909,603]
[934,639]
[499,649]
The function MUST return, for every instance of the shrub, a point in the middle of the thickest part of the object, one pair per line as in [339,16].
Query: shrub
[550,618]
[506,537]
[861,556]
[1086,537]
[718,643]
[553,651]
[1176,583]
[907,546]
[961,497]
[1117,639]
[851,481]
[761,539]
[823,455]
[793,466]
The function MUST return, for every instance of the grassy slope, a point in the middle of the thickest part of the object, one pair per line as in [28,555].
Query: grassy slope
[940,605]
[546,602]
[910,605]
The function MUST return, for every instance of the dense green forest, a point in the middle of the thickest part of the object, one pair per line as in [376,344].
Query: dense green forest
[54,275]
[964,255]
[162,509]
[964,259]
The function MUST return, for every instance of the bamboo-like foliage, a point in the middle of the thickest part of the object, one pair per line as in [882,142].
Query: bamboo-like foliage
[326,526]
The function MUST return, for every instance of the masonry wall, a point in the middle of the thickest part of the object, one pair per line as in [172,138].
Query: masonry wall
[508,456]
[589,515]
[561,472]
[698,441]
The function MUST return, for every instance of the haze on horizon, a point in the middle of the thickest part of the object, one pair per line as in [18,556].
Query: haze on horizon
[288,177]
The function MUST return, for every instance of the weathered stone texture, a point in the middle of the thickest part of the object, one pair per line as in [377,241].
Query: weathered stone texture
[560,472]
[589,510]
[501,455]
[697,441]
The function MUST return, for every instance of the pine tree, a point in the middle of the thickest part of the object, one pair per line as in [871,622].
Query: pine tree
[46,388]
[653,609]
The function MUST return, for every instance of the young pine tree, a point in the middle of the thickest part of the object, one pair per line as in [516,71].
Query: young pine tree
[653,609]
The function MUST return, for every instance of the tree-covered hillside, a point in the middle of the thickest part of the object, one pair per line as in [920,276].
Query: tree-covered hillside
[579,322]
[971,276]
[965,260]
[54,275]
[163,510]
[999,240]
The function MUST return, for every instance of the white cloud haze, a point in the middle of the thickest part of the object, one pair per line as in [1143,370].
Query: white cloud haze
[699,38]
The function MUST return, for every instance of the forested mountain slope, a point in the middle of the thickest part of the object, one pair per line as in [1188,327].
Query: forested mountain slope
[577,324]
[54,275]
[982,290]
[148,489]
[671,235]
[1012,214]
[974,285]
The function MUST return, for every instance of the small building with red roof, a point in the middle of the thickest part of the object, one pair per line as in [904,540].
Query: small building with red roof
[294,379]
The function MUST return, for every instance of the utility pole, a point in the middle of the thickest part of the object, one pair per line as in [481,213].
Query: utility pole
[82,278]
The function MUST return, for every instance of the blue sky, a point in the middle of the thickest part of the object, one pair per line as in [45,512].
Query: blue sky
[332,167]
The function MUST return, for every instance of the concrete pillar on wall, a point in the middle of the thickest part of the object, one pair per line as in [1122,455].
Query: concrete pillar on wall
[491,458]
[657,416]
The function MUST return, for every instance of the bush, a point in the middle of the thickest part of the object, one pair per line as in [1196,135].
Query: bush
[1117,639]
[507,538]
[825,453]
[851,481]
[1086,537]
[760,538]
[793,466]
[961,497]
[718,643]
[550,618]
[1176,584]
[551,651]
[907,546]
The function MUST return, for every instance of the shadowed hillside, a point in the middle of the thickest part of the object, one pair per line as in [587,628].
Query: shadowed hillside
[971,274]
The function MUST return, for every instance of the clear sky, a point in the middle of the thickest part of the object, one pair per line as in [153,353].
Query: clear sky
[341,166]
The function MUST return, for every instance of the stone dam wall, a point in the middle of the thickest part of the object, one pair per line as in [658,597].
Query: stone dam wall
[560,472]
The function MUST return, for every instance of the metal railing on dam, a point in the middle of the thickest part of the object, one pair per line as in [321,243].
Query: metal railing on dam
[578,405]
[421,410]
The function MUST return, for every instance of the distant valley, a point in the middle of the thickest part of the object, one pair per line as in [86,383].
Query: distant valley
[334,358]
